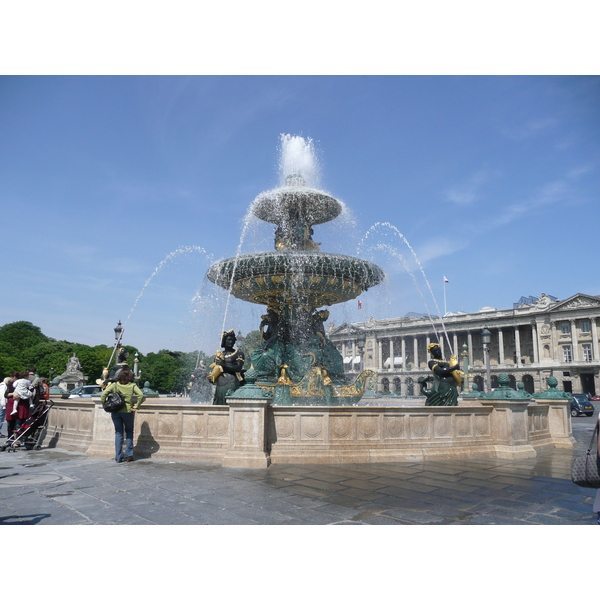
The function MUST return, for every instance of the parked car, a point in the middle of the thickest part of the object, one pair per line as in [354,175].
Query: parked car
[581,405]
[85,391]
[596,398]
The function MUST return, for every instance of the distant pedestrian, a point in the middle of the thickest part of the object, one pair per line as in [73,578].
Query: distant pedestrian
[14,420]
[124,419]
[22,391]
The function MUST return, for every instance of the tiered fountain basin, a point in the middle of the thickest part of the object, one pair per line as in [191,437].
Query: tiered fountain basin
[312,278]
[309,205]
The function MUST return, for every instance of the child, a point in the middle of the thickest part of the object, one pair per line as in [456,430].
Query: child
[22,390]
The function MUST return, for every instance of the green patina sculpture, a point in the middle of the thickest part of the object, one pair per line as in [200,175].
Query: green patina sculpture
[444,389]
[228,368]
[148,393]
[552,393]
[295,362]
[474,393]
[505,392]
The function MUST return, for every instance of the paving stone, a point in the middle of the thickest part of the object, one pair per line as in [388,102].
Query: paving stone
[153,491]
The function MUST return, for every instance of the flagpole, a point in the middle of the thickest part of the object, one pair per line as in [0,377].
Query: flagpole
[445,282]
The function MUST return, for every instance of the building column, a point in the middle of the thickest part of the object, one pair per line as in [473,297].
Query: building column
[391,354]
[501,345]
[595,339]
[455,340]
[403,354]
[353,352]
[554,347]
[574,341]
[470,345]
[416,352]
[535,341]
[518,345]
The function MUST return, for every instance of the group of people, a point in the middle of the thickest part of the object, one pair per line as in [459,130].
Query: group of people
[20,392]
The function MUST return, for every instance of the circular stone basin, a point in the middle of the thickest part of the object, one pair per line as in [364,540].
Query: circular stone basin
[315,279]
[309,206]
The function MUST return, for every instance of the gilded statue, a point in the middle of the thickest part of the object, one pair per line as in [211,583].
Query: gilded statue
[227,369]
[445,380]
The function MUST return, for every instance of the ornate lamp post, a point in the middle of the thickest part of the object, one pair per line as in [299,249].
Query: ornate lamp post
[465,366]
[486,337]
[118,334]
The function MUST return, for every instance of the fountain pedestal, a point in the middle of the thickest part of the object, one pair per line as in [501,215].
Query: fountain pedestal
[247,433]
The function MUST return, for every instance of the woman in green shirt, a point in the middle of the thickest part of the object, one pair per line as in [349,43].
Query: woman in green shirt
[124,418]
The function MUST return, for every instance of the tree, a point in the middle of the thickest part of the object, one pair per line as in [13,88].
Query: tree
[251,341]
[18,336]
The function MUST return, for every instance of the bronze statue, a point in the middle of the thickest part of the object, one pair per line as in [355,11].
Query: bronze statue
[111,377]
[228,368]
[446,378]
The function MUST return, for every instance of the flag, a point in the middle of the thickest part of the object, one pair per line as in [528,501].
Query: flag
[445,280]
[359,304]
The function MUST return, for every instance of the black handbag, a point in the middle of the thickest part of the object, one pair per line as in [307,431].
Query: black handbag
[114,402]
[584,471]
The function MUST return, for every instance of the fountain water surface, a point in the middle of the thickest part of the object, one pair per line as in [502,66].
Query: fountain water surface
[295,362]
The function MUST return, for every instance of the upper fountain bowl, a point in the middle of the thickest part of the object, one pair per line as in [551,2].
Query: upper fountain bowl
[307,205]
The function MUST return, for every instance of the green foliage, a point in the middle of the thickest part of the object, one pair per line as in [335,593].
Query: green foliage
[23,345]
[169,371]
[251,341]
[17,337]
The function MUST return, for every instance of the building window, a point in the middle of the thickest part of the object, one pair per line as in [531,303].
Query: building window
[566,328]
[587,352]
[567,356]
[585,326]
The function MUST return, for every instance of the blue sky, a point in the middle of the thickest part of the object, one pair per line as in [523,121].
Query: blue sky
[493,181]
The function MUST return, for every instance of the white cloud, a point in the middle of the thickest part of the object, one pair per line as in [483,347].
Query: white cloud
[471,190]
[439,247]
[530,129]
[551,193]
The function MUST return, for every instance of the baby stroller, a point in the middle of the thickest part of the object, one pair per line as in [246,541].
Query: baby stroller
[30,433]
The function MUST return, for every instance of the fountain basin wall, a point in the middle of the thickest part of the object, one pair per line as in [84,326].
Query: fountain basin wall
[252,433]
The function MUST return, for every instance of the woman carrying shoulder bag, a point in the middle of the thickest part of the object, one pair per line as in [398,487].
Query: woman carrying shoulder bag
[124,418]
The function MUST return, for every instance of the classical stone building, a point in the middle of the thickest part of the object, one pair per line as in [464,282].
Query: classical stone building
[535,339]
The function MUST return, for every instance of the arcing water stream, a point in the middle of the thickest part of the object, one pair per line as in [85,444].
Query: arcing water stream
[396,254]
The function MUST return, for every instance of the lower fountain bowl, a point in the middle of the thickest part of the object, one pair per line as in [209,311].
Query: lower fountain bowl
[317,279]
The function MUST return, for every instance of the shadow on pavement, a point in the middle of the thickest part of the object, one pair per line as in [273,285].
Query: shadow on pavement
[24,519]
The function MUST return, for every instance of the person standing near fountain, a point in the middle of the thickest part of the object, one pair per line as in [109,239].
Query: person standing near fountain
[228,368]
[444,391]
[124,418]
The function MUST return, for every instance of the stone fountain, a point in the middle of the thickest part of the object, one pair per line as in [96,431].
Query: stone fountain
[297,405]
[295,362]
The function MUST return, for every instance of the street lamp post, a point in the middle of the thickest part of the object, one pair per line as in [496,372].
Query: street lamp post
[465,356]
[361,338]
[118,334]
[486,336]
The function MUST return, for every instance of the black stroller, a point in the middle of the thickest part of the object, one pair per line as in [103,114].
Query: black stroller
[29,435]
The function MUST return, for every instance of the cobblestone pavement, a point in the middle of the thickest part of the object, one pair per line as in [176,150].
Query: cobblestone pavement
[56,487]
